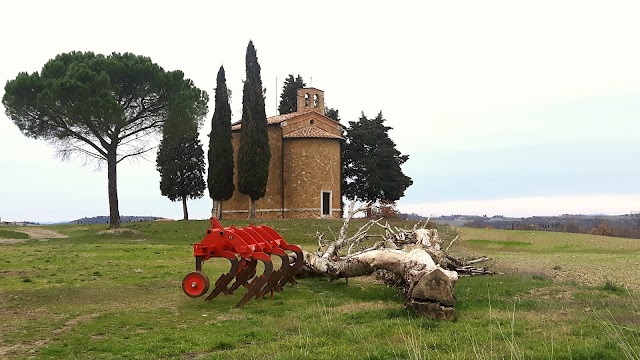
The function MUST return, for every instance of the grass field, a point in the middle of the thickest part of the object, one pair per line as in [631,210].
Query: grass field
[100,295]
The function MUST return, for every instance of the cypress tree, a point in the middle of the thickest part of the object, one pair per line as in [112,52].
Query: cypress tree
[254,154]
[180,161]
[289,95]
[220,176]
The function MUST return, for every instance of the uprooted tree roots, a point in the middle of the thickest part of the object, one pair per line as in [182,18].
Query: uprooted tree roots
[412,259]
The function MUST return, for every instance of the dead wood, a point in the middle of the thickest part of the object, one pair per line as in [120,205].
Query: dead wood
[412,259]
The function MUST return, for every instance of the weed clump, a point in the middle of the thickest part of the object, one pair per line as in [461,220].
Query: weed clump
[611,286]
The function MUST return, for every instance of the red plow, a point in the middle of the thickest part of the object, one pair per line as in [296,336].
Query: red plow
[243,247]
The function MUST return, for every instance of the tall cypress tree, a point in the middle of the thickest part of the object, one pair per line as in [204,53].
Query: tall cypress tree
[220,178]
[289,95]
[254,154]
[180,161]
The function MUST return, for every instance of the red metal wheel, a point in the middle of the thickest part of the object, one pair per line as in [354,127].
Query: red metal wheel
[195,284]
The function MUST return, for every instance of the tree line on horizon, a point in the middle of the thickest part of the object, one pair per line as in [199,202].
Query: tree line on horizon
[625,226]
[105,108]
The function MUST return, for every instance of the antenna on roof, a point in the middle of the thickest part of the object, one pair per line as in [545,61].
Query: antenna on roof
[276,94]
[311,85]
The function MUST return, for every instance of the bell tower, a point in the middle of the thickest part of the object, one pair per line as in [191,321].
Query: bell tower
[310,99]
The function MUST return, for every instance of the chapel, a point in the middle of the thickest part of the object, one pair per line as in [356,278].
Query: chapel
[305,172]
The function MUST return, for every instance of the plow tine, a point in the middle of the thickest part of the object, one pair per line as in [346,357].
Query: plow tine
[255,288]
[274,282]
[224,280]
[242,278]
[293,269]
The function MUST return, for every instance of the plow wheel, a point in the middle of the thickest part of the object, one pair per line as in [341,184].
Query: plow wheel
[195,284]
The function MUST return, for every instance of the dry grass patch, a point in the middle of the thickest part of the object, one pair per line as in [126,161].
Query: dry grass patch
[119,232]
[584,259]
[12,241]
[552,293]
[37,232]
[352,307]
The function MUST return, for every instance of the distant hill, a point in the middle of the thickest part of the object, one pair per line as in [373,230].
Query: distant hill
[123,219]
[626,225]
[412,216]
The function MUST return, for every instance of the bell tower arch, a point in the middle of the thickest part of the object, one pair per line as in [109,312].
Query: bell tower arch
[311,99]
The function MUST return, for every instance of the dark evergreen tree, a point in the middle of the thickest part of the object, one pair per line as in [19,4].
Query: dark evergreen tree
[289,95]
[371,163]
[332,113]
[100,107]
[254,154]
[220,175]
[180,161]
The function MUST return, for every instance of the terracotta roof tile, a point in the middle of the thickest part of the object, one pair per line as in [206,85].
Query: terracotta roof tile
[270,120]
[311,132]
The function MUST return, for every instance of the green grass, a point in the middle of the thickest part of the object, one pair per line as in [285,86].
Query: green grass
[117,296]
[500,244]
[10,234]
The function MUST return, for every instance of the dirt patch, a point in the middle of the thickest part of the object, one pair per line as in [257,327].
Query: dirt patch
[632,319]
[368,305]
[119,232]
[35,233]
[556,293]
[13,273]
[75,321]
[31,348]
[367,279]
[584,269]
[12,241]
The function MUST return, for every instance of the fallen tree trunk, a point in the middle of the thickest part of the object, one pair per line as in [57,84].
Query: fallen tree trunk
[411,259]
[430,288]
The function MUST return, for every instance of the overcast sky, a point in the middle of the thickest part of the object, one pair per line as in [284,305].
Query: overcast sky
[505,107]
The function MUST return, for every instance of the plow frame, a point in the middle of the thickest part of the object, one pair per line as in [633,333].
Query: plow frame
[243,247]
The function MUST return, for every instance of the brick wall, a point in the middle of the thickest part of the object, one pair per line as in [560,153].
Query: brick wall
[306,119]
[311,166]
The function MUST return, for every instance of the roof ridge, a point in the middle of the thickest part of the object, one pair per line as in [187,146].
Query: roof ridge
[277,119]
[311,131]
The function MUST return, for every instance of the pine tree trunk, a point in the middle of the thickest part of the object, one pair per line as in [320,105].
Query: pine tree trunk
[112,184]
[184,208]
[219,209]
[252,208]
